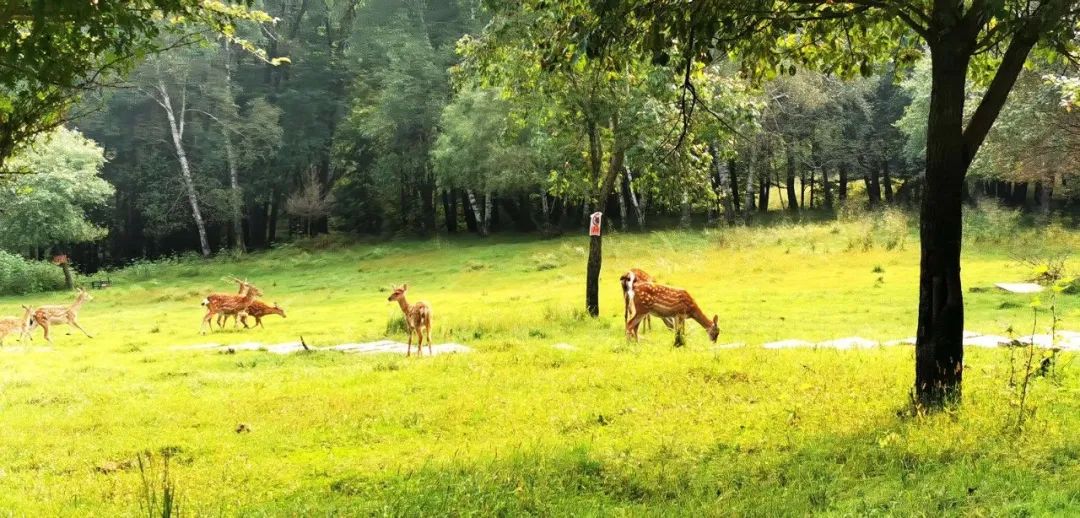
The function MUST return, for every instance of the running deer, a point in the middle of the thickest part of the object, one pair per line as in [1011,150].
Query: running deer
[259,309]
[223,318]
[668,302]
[219,303]
[417,319]
[46,316]
[628,280]
[24,325]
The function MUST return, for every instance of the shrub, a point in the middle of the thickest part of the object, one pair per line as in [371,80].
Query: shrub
[990,222]
[19,276]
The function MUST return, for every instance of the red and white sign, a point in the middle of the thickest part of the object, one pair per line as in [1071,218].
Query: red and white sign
[594,223]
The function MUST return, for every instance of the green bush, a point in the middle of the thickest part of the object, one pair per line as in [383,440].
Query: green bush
[19,276]
[990,222]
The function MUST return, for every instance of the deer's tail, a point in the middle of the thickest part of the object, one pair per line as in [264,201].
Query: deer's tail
[205,302]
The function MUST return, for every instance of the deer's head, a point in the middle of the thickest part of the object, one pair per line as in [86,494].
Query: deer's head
[714,329]
[83,296]
[399,293]
[277,310]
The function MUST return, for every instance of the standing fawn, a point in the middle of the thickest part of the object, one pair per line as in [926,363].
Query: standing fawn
[227,304]
[259,309]
[628,280]
[9,325]
[46,316]
[417,319]
[669,302]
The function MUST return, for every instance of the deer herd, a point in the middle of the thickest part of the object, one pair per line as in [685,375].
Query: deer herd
[642,297]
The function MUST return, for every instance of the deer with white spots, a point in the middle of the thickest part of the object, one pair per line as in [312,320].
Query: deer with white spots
[417,319]
[47,316]
[665,301]
[10,325]
[628,280]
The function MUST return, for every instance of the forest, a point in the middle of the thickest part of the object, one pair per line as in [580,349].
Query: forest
[397,117]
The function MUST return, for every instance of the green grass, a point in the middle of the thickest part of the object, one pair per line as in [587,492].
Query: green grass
[520,427]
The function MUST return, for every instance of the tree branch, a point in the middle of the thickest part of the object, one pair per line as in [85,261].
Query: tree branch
[998,91]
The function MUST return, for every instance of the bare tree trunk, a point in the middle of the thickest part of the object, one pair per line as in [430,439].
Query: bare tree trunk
[478,215]
[623,223]
[639,208]
[748,206]
[485,228]
[545,207]
[236,198]
[176,128]
[792,194]
[723,185]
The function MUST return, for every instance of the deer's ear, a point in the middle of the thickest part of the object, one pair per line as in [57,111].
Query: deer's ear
[404,287]
[714,319]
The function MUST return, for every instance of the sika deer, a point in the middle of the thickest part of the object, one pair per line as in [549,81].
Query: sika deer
[216,304]
[24,325]
[417,319]
[259,309]
[628,280]
[668,302]
[46,316]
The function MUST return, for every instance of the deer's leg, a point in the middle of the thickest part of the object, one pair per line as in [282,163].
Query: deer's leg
[632,326]
[45,329]
[75,323]
[428,331]
[206,322]
[408,348]
[419,341]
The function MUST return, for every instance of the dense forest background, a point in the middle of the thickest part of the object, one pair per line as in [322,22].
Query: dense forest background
[429,116]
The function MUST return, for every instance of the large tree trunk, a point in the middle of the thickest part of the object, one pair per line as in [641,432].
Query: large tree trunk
[615,166]
[939,350]
[873,186]
[842,184]
[176,129]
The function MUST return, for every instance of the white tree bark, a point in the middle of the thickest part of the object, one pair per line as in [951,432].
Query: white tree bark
[487,214]
[176,128]
[639,207]
[478,215]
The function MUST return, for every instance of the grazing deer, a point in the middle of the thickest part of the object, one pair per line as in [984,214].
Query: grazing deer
[417,319]
[46,316]
[628,280]
[218,304]
[665,301]
[259,309]
[24,325]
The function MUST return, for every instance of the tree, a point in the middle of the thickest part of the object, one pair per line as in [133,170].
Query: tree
[986,41]
[51,52]
[48,207]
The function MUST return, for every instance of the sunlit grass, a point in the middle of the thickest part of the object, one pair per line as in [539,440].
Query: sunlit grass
[522,427]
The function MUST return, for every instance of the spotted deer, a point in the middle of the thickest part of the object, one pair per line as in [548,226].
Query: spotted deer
[227,304]
[259,309]
[417,319]
[24,325]
[628,280]
[665,301]
[223,318]
[47,316]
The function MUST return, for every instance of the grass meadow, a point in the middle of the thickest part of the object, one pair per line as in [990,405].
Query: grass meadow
[521,427]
